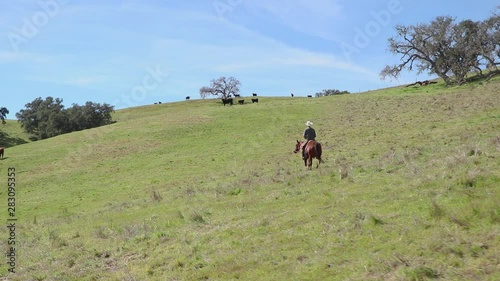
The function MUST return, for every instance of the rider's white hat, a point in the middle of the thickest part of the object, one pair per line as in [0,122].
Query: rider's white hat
[309,123]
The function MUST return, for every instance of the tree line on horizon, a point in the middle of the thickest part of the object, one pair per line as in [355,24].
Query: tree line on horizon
[331,92]
[45,118]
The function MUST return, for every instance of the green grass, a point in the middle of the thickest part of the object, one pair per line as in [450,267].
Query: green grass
[196,191]
[11,134]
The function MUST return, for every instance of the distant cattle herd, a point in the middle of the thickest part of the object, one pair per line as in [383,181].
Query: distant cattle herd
[231,99]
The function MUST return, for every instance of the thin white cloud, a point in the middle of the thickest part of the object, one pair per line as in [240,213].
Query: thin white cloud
[80,81]
[83,81]
[319,18]
[294,58]
[22,57]
[247,51]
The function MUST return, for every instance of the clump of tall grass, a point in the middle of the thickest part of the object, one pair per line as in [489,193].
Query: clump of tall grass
[473,150]
[459,222]
[343,167]
[496,142]
[422,273]
[376,220]
[101,233]
[462,155]
[436,211]
[55,240]
[156,196]
[343,171]
[197,216]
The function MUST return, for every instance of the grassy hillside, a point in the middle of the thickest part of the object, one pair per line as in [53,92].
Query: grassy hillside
[196,191]
[11,134]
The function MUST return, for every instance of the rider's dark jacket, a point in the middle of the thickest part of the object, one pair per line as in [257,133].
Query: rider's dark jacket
[309,134]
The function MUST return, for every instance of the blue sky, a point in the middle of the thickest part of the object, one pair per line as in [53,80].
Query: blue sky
[132,53]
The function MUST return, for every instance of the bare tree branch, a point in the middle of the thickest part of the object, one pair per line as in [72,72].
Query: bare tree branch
[445,48]
[222,87]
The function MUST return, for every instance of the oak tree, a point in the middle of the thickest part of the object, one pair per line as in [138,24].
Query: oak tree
[222,87]
[445,48]
[3,114]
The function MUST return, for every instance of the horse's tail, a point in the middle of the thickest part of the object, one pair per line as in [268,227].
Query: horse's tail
[319,151]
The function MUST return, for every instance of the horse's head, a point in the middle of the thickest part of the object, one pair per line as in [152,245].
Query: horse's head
[298,145]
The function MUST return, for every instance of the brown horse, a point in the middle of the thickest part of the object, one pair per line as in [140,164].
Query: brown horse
[1,152]
[312,150]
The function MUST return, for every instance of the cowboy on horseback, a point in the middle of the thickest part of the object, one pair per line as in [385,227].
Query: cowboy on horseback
[309,135]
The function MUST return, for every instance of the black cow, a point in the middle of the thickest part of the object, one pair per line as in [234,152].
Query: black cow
[1,152]
[254,94]
[309,96]
[292,95]
[227,101]
[241,101]
[255,100]
[188,97]
[236,95]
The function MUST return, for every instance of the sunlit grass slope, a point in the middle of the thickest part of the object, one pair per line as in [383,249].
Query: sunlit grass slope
[194,190]
[11,134]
